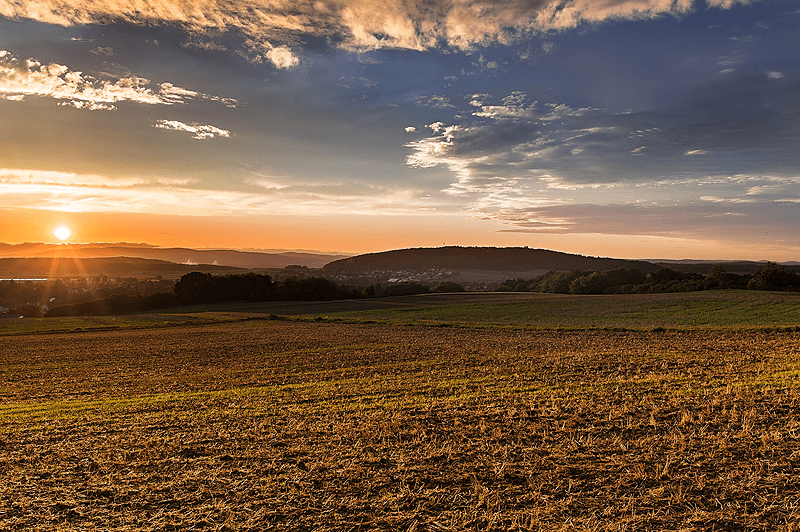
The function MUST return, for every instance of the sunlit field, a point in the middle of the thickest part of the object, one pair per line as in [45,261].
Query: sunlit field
[498,412]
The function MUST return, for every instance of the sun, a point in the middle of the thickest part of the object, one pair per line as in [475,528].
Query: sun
[62,232]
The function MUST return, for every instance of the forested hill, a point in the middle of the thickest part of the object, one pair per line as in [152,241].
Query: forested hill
[479,258]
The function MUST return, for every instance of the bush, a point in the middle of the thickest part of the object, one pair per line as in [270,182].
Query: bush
[27,311]
[116,304]
[774,277]
[448,286]
[405,289]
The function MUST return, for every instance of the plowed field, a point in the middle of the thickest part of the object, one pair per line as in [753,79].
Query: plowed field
[290,425]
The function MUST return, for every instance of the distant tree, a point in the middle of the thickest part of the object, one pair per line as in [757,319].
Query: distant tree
[405,289]
[369,291]
[28,310]
[621,280]
[774,277]
[665,275]
[194,287]
[555,282]
[509,285]
[116,304]
[719,279]
[448,286]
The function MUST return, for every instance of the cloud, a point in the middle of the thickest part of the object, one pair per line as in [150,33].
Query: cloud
[172,94]
[10,176]
[29,77]
[712,220]
[743,124]
[100,50]
[91,106]
[198,131]
[72,192]
[204,45]
[282,57]
[513,156]
[513,108]
[437,102]
[357,25]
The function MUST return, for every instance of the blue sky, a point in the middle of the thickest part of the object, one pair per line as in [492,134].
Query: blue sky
[637,128]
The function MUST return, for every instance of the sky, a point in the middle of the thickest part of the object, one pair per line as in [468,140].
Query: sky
[618,128]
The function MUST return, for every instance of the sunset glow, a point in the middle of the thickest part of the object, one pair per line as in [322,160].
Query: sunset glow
[62,232]
[635,129]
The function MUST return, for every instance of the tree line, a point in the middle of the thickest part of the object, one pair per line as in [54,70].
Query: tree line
[633,281]
[204,288]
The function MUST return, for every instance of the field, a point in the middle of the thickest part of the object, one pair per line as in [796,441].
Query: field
[501,412]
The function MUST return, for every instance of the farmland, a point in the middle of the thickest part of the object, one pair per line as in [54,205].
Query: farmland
[498,412]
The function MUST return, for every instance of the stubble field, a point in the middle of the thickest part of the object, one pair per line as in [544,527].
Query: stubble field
[252,423]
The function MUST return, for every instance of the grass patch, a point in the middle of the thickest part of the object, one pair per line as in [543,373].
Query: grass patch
[695,310]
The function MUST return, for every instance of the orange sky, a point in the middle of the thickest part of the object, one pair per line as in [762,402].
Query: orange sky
[335,234]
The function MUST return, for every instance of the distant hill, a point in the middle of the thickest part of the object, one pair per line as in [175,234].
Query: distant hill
[220,257]
[40,268]
[478,258]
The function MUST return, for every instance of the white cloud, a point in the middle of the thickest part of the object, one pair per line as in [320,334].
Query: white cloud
[410,129]
[91,106]
[172,94]
[282,57]
[198,131]
[29,77]
[513,108]
[719,199]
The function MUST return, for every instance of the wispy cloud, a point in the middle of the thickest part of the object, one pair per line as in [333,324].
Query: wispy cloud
[72,192]
[198,131]
[29,77]
[436,101]
[10,176]
[711,220]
